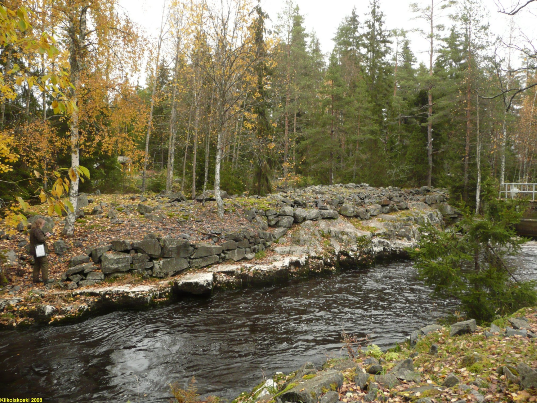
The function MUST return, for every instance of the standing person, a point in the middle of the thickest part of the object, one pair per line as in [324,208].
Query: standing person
[37,237]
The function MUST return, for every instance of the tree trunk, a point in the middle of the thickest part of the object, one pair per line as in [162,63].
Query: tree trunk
[173,132]
[478,136]
[468,122]
[219,202]
[77,38]
[153,90]
[430,104]
[195,144]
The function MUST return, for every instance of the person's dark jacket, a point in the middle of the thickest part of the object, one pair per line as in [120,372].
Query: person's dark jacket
[37,236]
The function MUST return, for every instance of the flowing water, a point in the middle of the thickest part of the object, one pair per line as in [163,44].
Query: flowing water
[228,342]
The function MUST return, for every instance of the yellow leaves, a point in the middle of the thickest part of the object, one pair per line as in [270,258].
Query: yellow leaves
[72,175]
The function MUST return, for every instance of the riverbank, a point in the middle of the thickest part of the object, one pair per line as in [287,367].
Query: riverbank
[136,254]
[461,363]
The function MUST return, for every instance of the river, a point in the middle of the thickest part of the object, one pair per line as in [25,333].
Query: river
[229,342]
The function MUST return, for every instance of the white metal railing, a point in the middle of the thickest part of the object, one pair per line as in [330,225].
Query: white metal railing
[518,190]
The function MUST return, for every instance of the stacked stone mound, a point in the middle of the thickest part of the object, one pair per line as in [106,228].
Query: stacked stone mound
[351,200]
[161,257]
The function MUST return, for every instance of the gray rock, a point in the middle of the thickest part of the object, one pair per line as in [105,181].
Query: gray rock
[76,278]
[515,332]
[279,232]
[510,377]
[528,377]
[374,210]
[150,247]
[205,249]
[145,209]
[413,338]
[307,368]
[363,213]
[81,268]
[204,261]
[139,262]
[172,247]
[300,215]
[429,329]
[519,323]
[424,400]
[82,201]
[329,214]
[468,326]
[195,283]
[285,222]
[157,217]
[330,397]
[95,276]
[48,310]
[97,210]
[450,381]
[286,211]
[177,197]
[347,210]
[261,222]
[404,370]
[310,390]
[78,260]
[229,245]
[96,252]
[495,329]
[236,255]
[375,369]
[434,349]
[313,215]
[115,262]
[169,267]
[388,381]
[60,247]
[360,379]
[249,256]
[72,285]
[120,245]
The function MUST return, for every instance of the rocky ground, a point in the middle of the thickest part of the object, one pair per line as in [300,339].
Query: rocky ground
[462,363]
[145,251]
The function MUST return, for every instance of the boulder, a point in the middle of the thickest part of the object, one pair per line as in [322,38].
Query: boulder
[145,209]
[9,258]
[519,323]
[78,260]
[169,267]
[374,210]
[310,390]
[229,245]
[329,214]
[363,213]
[177,197]
[330,397]
[360,379]
[279,232]
[76,278]
[150,247]
[172,247]
[313,215]
[120,245]
[205,249]
[375,369]
[285,222]
[140,262]
[300,215]
[404,371]
[467,326]
[429,329]
[82,268]
[96,252]
[450,381]
[286,211]
[236,254]
[516,332]
[115,262]
[60,247]
[388,381]
[195,283]
[82,201]
[528,377]
[97,210]
[469,360]
[347,210]
[85,283]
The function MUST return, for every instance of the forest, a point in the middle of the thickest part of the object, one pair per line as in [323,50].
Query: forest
[230,104]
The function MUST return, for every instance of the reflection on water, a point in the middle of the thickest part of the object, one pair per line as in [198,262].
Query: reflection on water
[229,342]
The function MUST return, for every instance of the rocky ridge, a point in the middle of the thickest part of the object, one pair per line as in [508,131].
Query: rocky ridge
[298,233]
